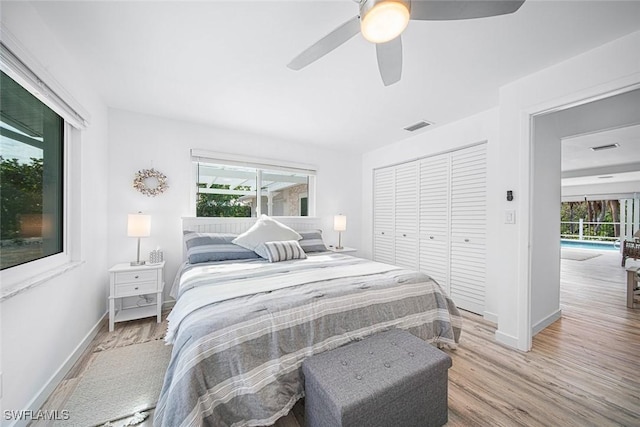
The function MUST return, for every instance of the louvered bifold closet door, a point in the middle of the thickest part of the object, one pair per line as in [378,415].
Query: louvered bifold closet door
[434,218]
[406,215]
[383,215]
[468,227]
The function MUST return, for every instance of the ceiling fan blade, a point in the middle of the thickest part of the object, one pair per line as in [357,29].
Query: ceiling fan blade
[390,60]
[449,10]
[326,44]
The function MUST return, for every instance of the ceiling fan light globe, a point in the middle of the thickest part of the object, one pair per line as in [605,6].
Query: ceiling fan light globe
[384,21]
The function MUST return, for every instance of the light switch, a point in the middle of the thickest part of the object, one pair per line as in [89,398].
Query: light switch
[509,216]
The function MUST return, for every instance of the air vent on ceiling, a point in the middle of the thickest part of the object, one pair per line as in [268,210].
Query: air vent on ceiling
[605,147]
[421,124]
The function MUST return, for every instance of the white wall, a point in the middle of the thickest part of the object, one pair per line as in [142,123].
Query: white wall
[138,141]
[598,72]
[545,210]
[474,129]
[42,327]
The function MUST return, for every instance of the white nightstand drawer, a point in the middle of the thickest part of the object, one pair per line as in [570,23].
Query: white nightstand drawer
[129,289]
[136,276]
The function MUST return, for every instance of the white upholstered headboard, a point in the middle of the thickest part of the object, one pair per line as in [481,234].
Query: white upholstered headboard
[240,225]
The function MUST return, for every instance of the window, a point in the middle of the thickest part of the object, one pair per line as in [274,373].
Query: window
[31,177]
[40,125]
[225,191]
[227,188]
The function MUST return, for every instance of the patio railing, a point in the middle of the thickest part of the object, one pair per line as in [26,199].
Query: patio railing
[583,230]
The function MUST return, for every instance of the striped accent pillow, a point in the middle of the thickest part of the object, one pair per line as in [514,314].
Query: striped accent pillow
[283,250]
[312,241]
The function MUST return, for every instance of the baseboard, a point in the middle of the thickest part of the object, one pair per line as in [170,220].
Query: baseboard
[490,317]
[506,339]
[168,303]
[43,394]
[546,322]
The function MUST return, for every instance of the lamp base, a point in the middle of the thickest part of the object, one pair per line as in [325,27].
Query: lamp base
[138,262]
[339,247]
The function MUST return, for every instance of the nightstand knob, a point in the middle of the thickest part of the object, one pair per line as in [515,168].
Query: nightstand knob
[431,237]
[404,235]
[136,278]
[136,288]
[382,232]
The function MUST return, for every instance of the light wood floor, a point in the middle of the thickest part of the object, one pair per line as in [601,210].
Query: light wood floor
[584,370]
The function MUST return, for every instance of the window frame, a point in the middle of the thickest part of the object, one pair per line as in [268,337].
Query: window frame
[260,164]
[18,64]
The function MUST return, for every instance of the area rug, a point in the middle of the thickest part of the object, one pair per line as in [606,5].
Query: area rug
[117,384]
[133,332]
[577,255]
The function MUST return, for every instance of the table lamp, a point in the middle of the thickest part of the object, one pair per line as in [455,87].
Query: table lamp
[339,225]
[139,225]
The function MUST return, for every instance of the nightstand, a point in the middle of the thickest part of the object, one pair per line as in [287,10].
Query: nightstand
[344,250]
[127,280]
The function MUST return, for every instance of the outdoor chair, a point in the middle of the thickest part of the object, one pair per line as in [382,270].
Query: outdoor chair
[631,248]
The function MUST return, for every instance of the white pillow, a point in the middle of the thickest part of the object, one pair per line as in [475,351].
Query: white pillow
[265,230]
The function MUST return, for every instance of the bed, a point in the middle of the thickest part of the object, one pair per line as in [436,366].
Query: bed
[241,328]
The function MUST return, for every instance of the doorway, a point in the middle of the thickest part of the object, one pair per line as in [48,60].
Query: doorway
[548,130]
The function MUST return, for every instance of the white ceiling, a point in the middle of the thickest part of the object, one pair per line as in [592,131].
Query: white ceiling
[223,63]
[577,153]
[583,166]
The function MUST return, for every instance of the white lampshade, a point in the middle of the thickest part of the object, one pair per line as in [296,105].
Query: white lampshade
[139,225]
[385,21]
[340,223]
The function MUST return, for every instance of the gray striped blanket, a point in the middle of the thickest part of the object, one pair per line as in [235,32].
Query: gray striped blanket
[240,331]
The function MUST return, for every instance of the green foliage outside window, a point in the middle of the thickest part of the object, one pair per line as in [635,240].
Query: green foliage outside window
[20,193]
[601,219]
[222,205]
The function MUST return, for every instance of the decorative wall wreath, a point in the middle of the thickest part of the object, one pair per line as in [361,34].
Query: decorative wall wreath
[150,182]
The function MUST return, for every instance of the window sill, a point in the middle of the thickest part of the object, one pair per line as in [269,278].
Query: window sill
[38,280]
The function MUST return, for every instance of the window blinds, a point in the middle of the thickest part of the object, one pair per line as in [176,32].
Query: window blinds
[39,83]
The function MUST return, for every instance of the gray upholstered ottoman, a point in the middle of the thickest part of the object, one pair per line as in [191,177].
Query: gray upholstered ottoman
[389,379]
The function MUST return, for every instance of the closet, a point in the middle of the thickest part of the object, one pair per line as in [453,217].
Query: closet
[383,218]
[406,215]
[434,218]
[430,214]
[395,219]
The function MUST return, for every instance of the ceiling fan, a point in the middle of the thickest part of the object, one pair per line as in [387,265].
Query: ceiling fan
[382,21]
